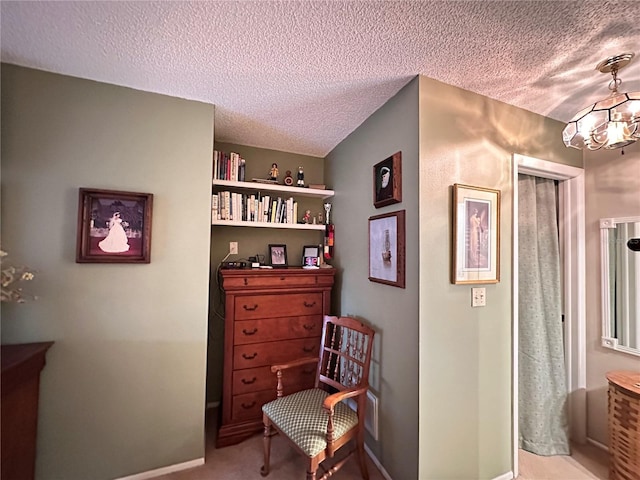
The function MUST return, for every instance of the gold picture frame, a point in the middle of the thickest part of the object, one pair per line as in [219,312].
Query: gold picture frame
[476,235]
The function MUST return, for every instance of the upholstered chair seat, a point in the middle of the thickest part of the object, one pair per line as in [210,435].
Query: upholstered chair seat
[302,419]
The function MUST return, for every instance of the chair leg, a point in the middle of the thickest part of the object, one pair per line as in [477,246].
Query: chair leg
[266,441]
[312,468]
[361,456]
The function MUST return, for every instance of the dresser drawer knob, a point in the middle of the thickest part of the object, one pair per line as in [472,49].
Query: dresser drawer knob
[247,332]
[309,305]
[249,382]
[251,309]
[246,281]
[307,349]
[247,406]
[249,357]
[308,327]
[282,278]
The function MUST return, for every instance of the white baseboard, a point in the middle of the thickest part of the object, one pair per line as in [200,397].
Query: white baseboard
[595,443]
[164,470]
[377,463]
[505,476]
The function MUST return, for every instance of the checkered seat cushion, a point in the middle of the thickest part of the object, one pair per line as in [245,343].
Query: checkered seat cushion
[300,417]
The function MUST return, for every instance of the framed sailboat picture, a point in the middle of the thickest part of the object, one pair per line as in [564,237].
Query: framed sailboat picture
[387,248]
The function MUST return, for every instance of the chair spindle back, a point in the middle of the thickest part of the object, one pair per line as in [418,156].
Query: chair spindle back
[345,353]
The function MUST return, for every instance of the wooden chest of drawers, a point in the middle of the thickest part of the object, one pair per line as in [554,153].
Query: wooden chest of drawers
[271,316]
[624,425]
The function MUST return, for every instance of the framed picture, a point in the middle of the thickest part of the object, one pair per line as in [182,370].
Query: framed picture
[387,181]
[387,248]
[310,256]
[113,227]
[476,235]
[278,255]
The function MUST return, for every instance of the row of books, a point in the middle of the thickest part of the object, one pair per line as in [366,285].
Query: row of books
[242,207]
[228,166]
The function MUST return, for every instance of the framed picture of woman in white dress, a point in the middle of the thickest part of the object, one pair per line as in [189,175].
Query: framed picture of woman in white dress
[113,226]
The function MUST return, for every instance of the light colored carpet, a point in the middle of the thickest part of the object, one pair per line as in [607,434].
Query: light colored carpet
[243,461]
[585,463]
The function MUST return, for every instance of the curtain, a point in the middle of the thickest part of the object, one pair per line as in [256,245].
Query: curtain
[542,382]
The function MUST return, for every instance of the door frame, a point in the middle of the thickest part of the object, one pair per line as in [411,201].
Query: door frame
[572,249]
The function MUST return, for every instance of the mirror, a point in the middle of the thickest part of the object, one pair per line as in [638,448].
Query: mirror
[620,252]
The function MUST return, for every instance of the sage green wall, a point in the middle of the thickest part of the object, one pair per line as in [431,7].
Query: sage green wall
[612,185]
[443,369]
[123,390]
[465,352]
[252,241]
[392,311]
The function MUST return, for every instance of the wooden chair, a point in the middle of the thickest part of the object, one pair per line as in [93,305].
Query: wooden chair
[317,421]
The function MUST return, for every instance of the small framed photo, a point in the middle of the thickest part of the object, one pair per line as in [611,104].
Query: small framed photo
[387,248]
[310,256]
[278,255]
[476,235]
[113,226]
[387,181]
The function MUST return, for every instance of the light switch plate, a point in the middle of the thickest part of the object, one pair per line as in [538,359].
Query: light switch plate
[478,297]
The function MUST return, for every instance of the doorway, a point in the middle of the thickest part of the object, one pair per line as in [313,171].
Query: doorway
[572,247]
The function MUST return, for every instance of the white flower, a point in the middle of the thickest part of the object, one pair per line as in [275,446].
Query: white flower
[10,276]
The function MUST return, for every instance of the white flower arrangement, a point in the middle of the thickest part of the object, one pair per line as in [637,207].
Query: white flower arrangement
[10,277]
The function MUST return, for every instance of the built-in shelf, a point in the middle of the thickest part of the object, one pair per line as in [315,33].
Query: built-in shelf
[269,187]
[295,191]
[292,226]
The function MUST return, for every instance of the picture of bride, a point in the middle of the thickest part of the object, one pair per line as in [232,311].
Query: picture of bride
[113,226]
[116,240]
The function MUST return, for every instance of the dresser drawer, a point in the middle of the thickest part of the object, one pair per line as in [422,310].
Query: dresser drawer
[276,281]
[260,378]
[249,405]
[268,330]
[249,307]
[271,353]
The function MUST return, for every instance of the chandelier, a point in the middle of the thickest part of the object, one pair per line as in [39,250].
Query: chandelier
[611,122]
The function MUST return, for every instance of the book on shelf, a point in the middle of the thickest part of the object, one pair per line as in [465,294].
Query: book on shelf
[264,180]
[255,207]
[215,211]
[228,166]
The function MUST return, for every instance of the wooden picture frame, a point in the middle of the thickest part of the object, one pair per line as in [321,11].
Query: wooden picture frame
[387,181]
[278,255]
[476,235]
[387,248]
[113,226]
[310,256]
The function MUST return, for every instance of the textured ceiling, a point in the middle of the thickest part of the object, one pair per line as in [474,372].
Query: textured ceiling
[300,76]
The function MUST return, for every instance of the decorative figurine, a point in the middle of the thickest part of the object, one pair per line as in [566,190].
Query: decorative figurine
[273,173]
[288,179]
[307,217]
[320,218]
[327,208]
[300,177]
